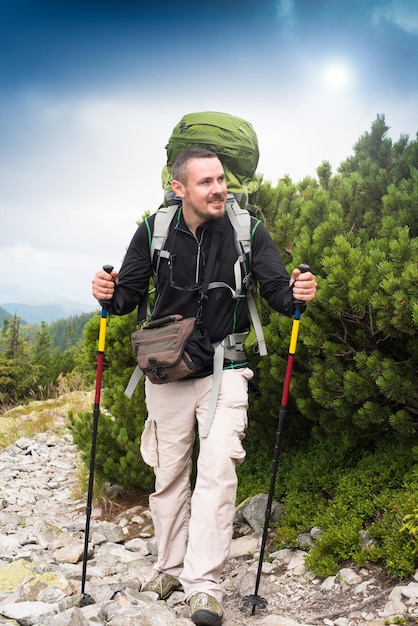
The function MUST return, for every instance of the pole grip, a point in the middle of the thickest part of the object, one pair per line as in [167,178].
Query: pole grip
[105,304]
[303,268]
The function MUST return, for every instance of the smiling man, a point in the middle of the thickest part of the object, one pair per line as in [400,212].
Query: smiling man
[202,189]
[194,530]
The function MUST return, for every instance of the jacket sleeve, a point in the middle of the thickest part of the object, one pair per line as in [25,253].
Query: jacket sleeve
[269,270]
[134,274]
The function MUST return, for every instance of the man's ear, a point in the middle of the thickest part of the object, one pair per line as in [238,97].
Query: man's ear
[178,188]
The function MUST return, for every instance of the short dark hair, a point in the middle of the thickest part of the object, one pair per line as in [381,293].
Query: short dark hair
[179,167]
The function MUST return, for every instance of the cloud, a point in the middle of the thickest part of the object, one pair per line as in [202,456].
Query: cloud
[402,13]
[75,179]
[50,276]
[285,9]
[86,116]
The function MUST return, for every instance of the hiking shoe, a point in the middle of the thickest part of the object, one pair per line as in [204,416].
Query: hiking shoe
[206,611]
[163,584]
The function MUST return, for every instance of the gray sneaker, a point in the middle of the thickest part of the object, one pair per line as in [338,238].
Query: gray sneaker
[163,584]
[206,610]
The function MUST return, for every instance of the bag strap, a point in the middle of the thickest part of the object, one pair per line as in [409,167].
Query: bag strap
[213,250]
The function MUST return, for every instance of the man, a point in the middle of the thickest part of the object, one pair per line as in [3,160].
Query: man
[194,531]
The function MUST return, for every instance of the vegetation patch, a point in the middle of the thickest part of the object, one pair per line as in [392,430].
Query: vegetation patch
[348,451]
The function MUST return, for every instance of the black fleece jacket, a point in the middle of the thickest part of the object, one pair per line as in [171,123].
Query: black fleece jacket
[180,276]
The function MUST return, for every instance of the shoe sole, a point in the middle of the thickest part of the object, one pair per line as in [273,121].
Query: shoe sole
[206,618]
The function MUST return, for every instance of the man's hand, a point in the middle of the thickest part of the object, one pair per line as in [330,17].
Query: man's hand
[103,284]
[304,285]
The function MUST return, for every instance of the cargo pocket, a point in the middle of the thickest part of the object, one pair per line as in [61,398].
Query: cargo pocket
[237,452]
[149,446]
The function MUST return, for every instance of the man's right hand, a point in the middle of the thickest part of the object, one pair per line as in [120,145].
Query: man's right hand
[103,284]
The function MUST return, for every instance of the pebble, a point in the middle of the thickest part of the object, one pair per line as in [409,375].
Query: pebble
[41,561]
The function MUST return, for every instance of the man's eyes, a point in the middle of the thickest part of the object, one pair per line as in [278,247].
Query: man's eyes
[207,181]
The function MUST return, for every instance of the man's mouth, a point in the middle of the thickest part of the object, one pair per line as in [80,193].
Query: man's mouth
[216,200]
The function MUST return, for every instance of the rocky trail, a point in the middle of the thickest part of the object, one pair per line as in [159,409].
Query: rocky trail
[42,543]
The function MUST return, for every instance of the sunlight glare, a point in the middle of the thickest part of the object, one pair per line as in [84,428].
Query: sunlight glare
[336,74]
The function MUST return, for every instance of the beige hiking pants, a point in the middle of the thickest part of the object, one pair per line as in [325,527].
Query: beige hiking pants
[194,531]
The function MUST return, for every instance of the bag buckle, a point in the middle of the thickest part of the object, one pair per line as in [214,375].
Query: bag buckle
[158,373]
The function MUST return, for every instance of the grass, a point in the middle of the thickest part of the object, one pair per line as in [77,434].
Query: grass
[100,488]
[41,416]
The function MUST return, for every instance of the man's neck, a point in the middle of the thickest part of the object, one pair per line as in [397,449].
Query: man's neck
[192,220]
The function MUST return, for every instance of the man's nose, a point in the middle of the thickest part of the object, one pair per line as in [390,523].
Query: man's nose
[218,186]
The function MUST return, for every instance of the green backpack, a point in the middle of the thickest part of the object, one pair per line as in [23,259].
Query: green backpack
[231,138]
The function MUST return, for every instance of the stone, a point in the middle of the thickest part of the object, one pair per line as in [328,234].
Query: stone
[253,511]
[349,577]
[305,540]
[42,549]
[13,574]
[244,546]
[72,617]
[28,613]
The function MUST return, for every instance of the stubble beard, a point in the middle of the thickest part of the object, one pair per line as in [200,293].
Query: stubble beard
[213,214]
[206,213]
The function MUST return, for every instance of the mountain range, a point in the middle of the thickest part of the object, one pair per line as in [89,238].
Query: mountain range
[37,313]
[34,307]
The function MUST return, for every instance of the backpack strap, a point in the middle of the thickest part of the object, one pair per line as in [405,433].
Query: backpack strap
[240,219]
[229,348]
[162,221]
[136,376]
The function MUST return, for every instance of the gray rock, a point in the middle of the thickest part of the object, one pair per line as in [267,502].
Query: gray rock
[28,613]
[305,541]
[42,547]
[253,511]
[72,617]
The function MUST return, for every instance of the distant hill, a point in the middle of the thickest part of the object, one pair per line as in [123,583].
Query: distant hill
[37,313]
[4,315]
[64,333]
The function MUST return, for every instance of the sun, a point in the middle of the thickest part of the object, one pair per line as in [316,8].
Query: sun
[336,74]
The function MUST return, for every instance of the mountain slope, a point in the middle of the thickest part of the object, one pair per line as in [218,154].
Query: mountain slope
[37,313]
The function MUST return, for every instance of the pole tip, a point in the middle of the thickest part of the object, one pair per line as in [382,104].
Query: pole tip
[253,601]
[86,600]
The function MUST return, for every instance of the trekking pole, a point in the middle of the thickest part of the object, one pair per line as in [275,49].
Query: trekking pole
[255,600]
[87,599]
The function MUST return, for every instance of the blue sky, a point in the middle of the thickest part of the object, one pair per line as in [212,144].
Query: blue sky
[90,91]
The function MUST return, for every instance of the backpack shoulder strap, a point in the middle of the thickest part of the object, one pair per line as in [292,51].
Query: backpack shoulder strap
[162,221]
[240,219]
[156,239]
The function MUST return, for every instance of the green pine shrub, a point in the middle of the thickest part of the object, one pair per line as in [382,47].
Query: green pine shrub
[347,447]
[121,420]
[373,496]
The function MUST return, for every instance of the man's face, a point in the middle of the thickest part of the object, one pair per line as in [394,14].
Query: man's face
[204,191]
